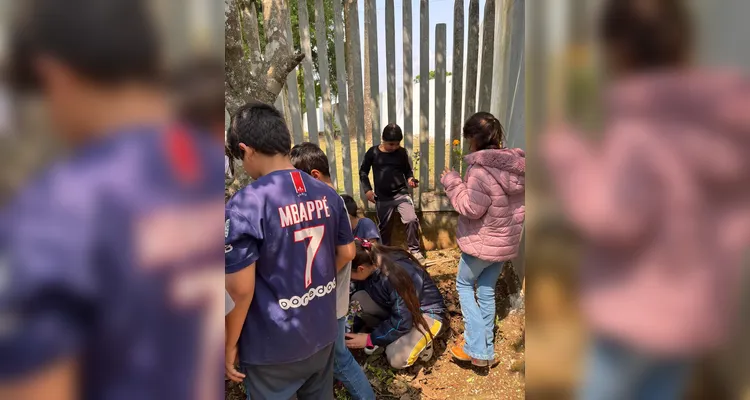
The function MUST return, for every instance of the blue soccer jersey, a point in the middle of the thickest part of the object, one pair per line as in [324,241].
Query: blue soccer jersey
[289,225]
[113,258]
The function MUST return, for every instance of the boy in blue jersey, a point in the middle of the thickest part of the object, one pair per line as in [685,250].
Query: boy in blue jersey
[310,158]
[290,233]
[112,283]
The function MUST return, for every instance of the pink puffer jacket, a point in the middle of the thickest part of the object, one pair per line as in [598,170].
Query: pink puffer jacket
[490,203]
[662,203]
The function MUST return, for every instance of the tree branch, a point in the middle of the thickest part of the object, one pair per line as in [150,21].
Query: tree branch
[281,66]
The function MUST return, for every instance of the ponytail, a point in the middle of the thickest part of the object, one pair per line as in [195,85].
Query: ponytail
[485,131]
[380,256]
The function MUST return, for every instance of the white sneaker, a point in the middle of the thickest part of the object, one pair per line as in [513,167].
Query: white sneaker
[371,351]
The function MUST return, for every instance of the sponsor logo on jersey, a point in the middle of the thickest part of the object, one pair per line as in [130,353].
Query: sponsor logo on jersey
[299,183]
[307,297]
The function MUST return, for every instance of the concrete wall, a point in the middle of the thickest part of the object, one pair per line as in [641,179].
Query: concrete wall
[438,229]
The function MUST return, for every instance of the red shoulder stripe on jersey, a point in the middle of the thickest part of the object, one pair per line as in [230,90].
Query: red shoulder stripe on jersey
[299,183]
[182,154]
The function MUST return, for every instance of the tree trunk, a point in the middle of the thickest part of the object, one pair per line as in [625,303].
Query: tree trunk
[250,75]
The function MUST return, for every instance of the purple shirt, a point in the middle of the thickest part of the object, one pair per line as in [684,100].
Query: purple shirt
[103,264]
[289,225]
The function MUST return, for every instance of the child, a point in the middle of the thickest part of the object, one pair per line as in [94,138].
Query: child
[363,227]
[308,157]
[89,308]
[199,92]
[399,302]
[661,204]
[292,233]
[392,174]
[491,206]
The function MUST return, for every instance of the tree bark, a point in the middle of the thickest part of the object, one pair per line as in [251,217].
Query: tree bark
[251,75]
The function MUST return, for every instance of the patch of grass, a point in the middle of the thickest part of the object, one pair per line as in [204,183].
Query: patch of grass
[383,375]
[340,393]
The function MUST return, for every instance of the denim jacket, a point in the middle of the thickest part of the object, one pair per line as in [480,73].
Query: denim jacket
[400,321]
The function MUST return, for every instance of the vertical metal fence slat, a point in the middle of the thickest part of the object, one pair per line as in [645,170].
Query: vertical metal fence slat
[472,55]
[346,143]
[390,56]
[440,70]
[408,126]
[308,69]
[424,97]
[488,56]
[325,89]
[292,91]
[458,80]
[371,27]
[355,60]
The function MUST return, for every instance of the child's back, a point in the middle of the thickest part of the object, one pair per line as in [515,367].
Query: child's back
[430,298]
[294,307]
[366,229]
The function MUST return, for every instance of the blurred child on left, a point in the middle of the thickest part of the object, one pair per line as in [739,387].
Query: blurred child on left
[113,270]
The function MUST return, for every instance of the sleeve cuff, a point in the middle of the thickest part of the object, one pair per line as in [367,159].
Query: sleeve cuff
[449,180]
[369,342]
[230,268]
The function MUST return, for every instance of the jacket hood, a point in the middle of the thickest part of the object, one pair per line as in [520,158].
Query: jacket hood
[703,117]
[507,166]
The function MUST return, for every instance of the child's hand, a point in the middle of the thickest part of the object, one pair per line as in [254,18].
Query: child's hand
[370,196]
[230,366]
[413,182]
[356,340]
[445,172]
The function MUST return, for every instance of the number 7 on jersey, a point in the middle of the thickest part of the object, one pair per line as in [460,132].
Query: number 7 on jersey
[315,234]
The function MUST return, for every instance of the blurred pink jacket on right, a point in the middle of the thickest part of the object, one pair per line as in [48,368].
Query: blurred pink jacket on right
[663,204]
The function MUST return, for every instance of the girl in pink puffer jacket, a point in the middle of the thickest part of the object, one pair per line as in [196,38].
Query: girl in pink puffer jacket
[490,203]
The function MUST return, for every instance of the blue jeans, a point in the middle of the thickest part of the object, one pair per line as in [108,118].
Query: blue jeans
[347,371]
[617,372]
[478,307]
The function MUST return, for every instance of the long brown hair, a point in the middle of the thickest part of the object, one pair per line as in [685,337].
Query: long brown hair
[370,253]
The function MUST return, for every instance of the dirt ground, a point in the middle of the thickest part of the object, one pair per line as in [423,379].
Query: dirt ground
[441,377]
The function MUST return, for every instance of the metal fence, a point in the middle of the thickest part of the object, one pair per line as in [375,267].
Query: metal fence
[487,75]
